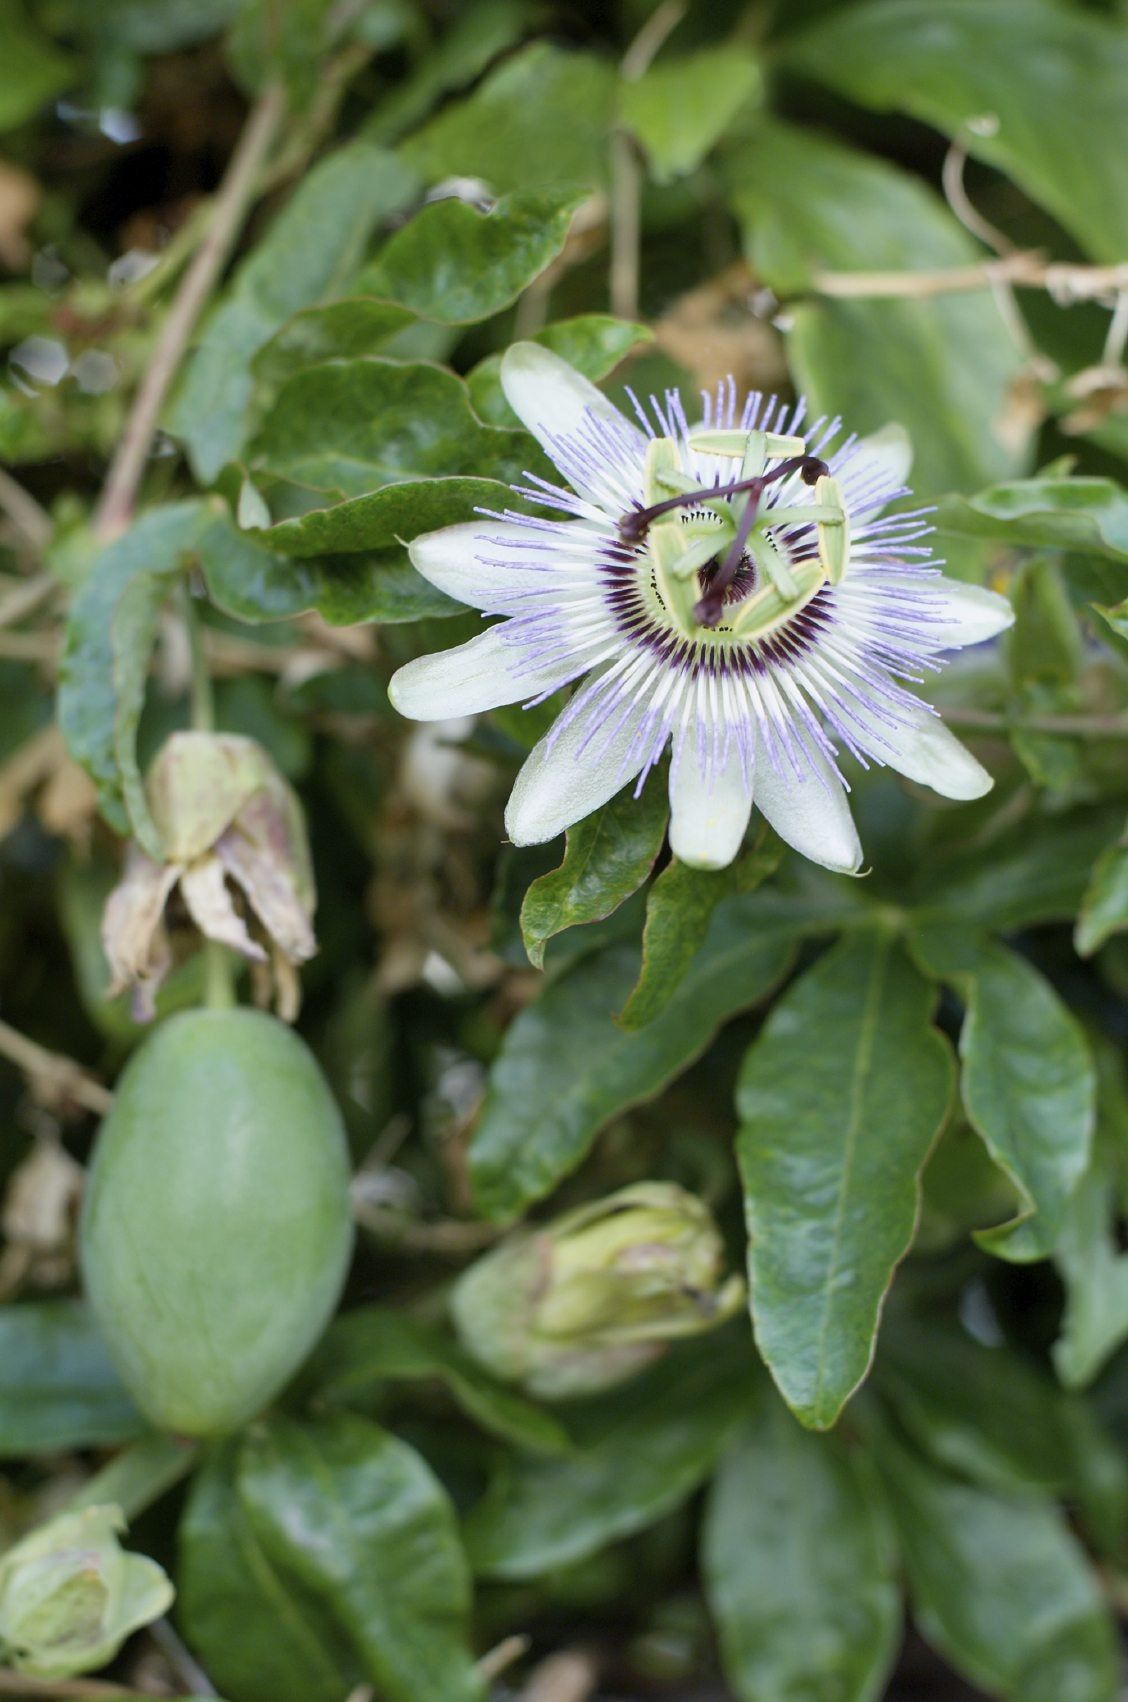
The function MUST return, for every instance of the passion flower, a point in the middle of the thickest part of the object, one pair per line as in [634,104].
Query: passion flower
[732,593]
[215,1233]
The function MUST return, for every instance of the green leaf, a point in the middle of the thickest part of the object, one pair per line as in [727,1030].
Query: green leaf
[680,108]
[261,1634]
[1045,643]
[350,426]
[565,1069]
[996,1580]
[276,573]
[1027,1083]
[357,1519]
[679,908]
[942,368]
[799,1565]
[1030,86]
[640,1452]
[607,856]
[1087,516]
[981,1412]
[456,265]
[358,325]
[106,660]
[33,68]
[1104,907]
[374,1345]
[1035,872]
[541,117]
[594,343]
[58,1389]
[1092,1267]
[312,250]
[477,32]
[840,1100]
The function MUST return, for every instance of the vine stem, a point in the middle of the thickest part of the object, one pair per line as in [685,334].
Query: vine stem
[81,1689]
[61,1072]
[1075,726]
[1064,282]
[626,170]
[219,985]
[229,210]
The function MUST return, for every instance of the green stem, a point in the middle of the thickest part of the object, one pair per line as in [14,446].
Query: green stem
[219,983]
[139,1475]
[203,699]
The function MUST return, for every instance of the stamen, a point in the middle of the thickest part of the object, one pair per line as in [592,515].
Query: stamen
[634,526]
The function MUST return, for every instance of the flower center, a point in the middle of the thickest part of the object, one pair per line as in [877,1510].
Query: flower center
[719,552]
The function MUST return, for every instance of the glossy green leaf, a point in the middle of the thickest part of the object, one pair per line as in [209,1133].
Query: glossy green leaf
[277,573]
[594,343]
[476,34]
[679,909]
[374,1345]
[607,856]
[336,330]
[1045,644]
[800,1566]
[1027,1083]
[680,108]
[1028,85]
[641,1451]
[1035,872]
[995,1579]
[982,1412]
[941,368]
[357,1519]
[455,264]
[109,636]
[261,1634]
[350,426]
[541,117]
[1092,1266]
[58,1389]
[565,1069]
[312,250]
[1104,906]
[1087,516]
[839,1099]
[33,68]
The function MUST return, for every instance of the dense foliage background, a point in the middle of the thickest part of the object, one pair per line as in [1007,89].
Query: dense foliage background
[913,211]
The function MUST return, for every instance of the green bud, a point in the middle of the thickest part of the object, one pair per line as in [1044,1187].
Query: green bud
[235,847]
[589,1299]
[70,1595]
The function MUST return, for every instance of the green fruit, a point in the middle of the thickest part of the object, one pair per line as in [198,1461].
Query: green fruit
[215,1233]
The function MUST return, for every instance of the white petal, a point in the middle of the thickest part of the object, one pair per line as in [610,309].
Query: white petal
[888,451]
[481,674]
[566,778]
[554,400]
[924,750]
[490,563]
[708,821]
[811,814]
[964,614]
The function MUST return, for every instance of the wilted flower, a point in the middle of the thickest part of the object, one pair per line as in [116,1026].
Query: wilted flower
[589,1299]
[70,1595]
[733,595]
[227,819]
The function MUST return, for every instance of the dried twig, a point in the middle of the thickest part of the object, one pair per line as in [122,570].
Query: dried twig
[1068,726]
[80,1689]
[626,169]
[229,210]
[29,519]
[60,1075]
[1027,270]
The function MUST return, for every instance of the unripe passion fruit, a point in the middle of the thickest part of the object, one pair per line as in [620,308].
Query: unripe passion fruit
[215,1232]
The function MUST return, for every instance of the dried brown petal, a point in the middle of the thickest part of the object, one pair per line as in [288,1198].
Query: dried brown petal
[206,894]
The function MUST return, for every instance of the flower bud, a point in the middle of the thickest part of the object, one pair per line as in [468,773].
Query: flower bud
[70,1595]
[231,827]
[586,1301]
